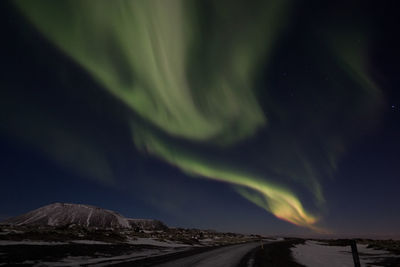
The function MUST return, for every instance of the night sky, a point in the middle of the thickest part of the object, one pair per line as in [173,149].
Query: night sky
[271,117]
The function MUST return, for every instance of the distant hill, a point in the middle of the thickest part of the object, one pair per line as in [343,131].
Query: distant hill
[64,214]
[147,224]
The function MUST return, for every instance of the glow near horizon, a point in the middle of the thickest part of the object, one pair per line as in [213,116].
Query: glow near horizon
[275,199]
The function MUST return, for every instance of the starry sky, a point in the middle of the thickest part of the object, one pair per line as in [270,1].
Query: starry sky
[271,117]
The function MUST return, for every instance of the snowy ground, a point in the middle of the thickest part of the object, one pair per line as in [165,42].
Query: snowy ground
[105,261]
[30,243]
[49,243]
[98,254]
[154,242]
[318,254]
[138,241]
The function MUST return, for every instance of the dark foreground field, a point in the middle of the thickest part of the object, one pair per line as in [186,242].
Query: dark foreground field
[269,254]
[74,253]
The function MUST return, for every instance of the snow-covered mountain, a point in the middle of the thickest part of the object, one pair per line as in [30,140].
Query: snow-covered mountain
[59,214]
[63,214]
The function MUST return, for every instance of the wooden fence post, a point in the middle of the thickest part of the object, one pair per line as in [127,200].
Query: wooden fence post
[354,251]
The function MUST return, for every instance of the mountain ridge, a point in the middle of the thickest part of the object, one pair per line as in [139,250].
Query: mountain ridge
[65,214]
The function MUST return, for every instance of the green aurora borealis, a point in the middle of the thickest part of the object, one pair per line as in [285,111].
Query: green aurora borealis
[191,71]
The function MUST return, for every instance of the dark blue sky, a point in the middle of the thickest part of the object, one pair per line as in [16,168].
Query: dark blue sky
[63,138]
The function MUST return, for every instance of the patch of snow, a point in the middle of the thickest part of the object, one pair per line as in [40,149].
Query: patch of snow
[319,254]
[250,263]
[28,262]
[50,221]
[152,242]
[28,242]
[206,240]
[90,242]
[6,232]
[363,249]
[270,240]
[106,261]
[88,218]
[36,216]
[17,232]
[124,222]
